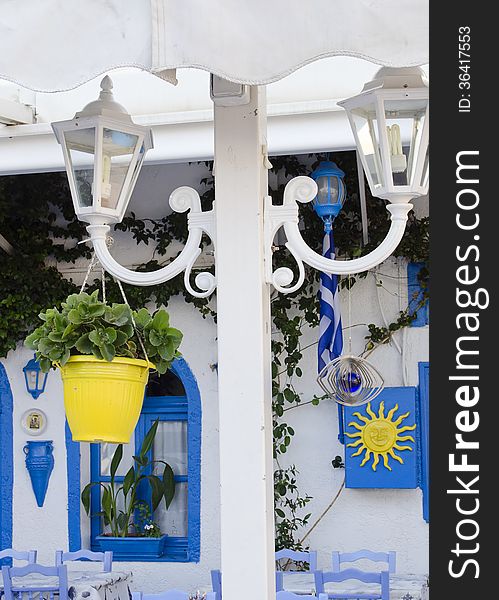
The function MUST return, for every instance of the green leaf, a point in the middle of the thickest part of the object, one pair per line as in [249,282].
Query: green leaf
[75,317]
[115,462]
[85,497]
[111,334]
[45,364]
[107,502]
[96,310]
[68,331]
[121,338]
[141,460]
[127,329]
[161,320]
[95,337]
[118,314]
[122,521]
[65,357]
[84,345]
[168,485]
[157,490]
[149,439]
[161,366]
[142,318]
[166,350]
[55,336]
[155,338]
[97,353]
[128,480]
[108,351]
[176,335]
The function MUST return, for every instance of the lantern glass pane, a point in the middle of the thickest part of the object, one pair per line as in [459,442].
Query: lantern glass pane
[32,380]
[137,167]
[404,123]
[117,153]
[80,144]
[426,170]
[327,194]
[366,125]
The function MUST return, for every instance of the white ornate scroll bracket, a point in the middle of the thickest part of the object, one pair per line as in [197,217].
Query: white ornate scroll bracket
[198,222]
[304,189]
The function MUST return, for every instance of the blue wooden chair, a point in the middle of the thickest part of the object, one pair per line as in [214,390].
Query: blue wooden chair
[9,553]
[382,578]
[296,556]
[106,558]
[283,595]
[16,591]
[348,557]
[216,583]
[169,595]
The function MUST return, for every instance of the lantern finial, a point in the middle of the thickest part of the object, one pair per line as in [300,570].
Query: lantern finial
[106,84]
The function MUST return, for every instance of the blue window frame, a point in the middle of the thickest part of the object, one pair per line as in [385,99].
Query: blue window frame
[174,400]
[6,462]
[424,417]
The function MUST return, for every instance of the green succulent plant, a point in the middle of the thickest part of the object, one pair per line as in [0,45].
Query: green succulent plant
[86,325]
[122,506]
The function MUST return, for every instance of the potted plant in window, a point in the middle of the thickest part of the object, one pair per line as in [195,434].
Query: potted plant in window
[104,352]
[125,513]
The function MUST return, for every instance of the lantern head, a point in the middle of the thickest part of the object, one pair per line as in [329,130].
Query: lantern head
[389,120]
[103,153]
[331,192]
[34,378]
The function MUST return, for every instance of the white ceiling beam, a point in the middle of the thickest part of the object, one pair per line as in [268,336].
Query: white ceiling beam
[320,127]
[16,113]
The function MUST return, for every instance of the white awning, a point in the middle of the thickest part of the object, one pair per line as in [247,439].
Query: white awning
[52,45]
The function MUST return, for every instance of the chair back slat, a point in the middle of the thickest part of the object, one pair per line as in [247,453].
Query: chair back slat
[28,555]
[12,592]
[168,595]
[299,556]
[348,557]
[381,577]
[284,595]
[106,558]
[309,557]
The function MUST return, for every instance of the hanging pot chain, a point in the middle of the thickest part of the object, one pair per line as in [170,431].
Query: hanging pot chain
[93,261]
[89,270]
[139,337]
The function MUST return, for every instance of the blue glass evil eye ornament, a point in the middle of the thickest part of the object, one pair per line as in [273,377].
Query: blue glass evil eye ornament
[350,380]
[352,383]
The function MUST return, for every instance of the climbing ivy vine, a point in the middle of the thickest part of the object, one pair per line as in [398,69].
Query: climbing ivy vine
[37,218]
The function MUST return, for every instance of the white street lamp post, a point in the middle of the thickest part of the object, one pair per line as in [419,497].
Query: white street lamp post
[390,123]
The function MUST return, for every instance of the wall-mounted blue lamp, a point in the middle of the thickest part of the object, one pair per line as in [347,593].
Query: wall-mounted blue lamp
[34,377]
[331,192]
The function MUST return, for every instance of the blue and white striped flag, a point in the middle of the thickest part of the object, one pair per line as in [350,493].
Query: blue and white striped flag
[330,333]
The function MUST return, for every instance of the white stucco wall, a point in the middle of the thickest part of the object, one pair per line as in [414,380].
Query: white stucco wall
[376,519]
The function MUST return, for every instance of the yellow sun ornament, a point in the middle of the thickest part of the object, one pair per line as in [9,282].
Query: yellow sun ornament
[379,435]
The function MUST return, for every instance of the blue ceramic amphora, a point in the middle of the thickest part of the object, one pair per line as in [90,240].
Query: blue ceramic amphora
[39,463]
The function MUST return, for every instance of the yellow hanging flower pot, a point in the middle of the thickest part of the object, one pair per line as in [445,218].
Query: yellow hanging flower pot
[103,399]
[104,352]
